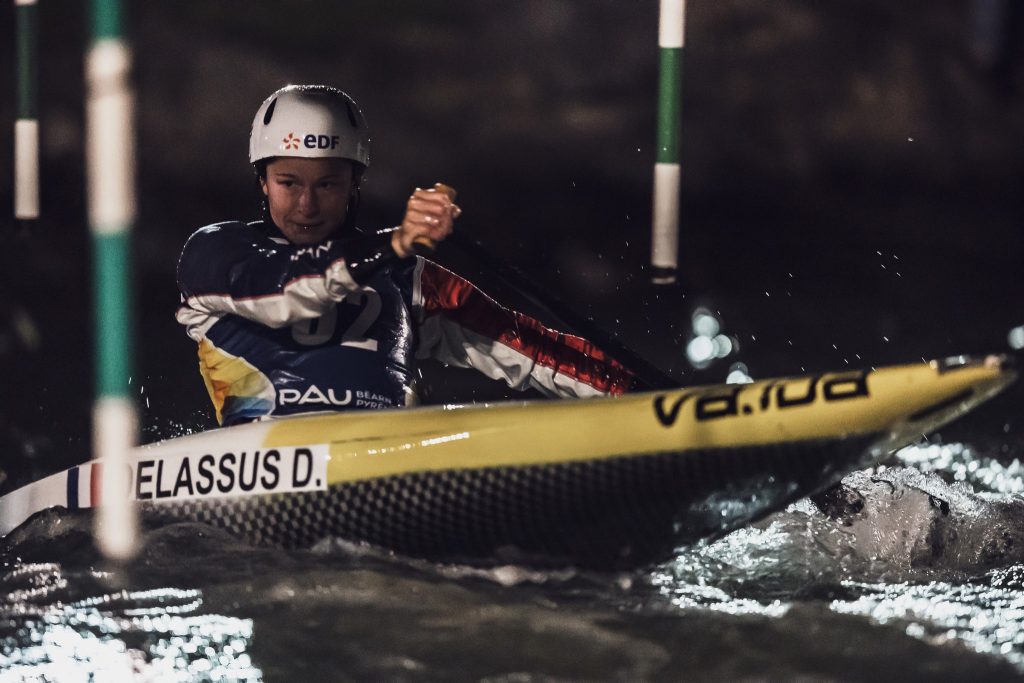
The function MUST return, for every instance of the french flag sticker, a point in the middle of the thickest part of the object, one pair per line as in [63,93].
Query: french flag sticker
[83,486]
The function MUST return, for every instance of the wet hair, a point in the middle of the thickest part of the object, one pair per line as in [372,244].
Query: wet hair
[355,197]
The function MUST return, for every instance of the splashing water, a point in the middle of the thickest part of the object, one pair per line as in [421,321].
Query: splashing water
[921,562]
[937,548]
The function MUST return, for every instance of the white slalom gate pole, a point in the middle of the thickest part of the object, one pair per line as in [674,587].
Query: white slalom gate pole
[110,158]
[665,228]
[26,126]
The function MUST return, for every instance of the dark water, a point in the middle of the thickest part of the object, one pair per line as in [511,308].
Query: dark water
[918,573]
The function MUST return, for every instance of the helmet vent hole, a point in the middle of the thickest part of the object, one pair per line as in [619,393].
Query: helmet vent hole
[351,114]
[270,112]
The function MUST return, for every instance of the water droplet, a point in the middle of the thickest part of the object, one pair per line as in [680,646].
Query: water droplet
[1016,338]
[700,350]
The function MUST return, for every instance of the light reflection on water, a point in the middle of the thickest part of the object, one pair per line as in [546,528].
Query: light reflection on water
[986,618]
[156,634]
[959,461]
[696,596]
[803,555]
[907,556]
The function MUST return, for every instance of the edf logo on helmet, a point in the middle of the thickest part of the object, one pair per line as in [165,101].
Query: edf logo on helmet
[309,121]
[311,141]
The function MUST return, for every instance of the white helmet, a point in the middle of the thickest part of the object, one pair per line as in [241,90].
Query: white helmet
[309,121]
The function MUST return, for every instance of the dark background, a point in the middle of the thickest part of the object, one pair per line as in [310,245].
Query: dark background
[851,179]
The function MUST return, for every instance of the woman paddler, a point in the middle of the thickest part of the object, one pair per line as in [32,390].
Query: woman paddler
[304,311]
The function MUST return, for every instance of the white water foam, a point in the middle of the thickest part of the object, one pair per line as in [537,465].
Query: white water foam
[937,546]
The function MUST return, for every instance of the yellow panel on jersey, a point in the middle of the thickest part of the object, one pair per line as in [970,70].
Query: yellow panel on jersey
[234,382]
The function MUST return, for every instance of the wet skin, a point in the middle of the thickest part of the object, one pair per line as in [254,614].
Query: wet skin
[308,198]
[309,201]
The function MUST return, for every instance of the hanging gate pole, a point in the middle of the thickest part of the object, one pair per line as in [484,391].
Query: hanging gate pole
[26,126]
[110,157]
[665,228]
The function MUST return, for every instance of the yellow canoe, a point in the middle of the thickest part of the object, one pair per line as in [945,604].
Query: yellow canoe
[611,482]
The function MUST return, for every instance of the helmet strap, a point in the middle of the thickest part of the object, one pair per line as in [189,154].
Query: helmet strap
[352,209]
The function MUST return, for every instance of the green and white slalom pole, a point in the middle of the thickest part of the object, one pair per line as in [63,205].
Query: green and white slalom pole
[110,156]
[665,229]
[26,126]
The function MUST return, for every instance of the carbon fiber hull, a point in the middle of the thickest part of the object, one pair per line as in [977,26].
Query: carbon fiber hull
[612,513]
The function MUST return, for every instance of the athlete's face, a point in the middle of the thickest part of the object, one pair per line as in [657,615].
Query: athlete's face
[308,197]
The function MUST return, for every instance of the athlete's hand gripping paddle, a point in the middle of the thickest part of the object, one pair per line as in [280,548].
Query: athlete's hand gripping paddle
[423,245]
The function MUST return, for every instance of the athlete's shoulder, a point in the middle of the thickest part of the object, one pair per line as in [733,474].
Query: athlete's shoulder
[212,248]
[223,226]
[226,238]
[229,230]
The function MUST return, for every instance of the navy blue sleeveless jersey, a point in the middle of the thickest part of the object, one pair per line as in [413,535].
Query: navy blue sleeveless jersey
[284,329]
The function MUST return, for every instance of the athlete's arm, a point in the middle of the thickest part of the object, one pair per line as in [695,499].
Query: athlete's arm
[462,326]
[234,268]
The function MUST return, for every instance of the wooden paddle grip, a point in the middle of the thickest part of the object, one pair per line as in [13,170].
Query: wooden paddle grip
[424,246]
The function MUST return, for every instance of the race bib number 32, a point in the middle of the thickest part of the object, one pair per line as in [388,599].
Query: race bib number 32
[231,473]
